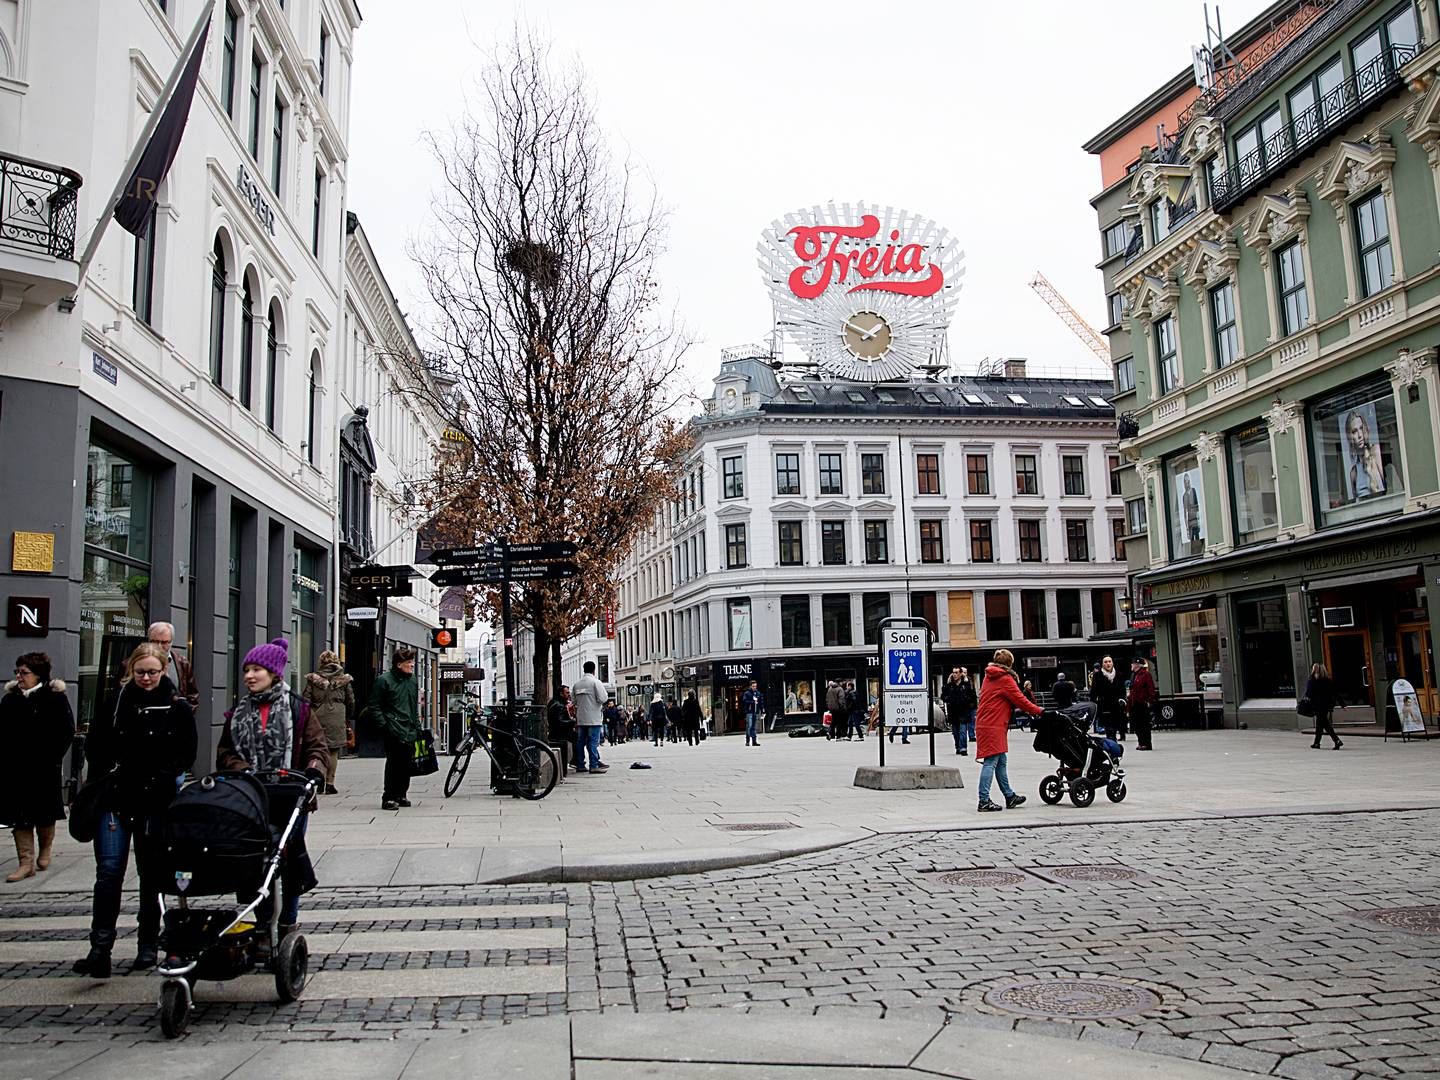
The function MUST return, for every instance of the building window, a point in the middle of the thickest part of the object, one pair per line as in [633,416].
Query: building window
[875,607]
[1197,635]
[872,474]
[962,619]
[142,289]
[1117,535]
[1294,299]
[1267,669]
[1261,143]
[1072,471]
[1027,476]
[1376,55]
[832,543]
[1187,506]
[1357,453]
[1372,231]
[1034,622]
[932,541]
[787,474]
[1029,533]
[739,622]
[1112,466]
[1314,104]
[1067,613]
[1115,304]
[1077,540]
[277,146]
[317,213]
[1116,238]
[732,477]
[257,79]
[982,546]
[835,618]
[795,622]
[927,474]
[272,365]
[792,545]
[924,605]
[1102,609]
[877,541]
[247,342]
[1135,516]
[1167,359]
[1160,213]
[323,59]
[227,62]
[1252,474]
[1125,375]
[734,547]
[831,482]
[977,474]
[306,609]
[218,285]
[997,615]
[1222,314]
[236,576]
[312,412]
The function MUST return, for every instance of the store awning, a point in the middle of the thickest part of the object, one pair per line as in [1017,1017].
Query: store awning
[1195,603]
[1367,578]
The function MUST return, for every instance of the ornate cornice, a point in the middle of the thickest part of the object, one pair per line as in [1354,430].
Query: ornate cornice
[1206,445]
[1285,416]
[1356,167]
[1408,368]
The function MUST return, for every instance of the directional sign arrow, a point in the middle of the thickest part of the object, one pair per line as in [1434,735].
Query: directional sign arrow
[487,574]
[541,571]
[551,549]
[465,556]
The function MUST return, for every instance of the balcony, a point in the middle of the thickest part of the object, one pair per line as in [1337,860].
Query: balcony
[1354,97]
[38,204]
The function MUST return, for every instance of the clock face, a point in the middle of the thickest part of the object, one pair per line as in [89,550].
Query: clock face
[867,335]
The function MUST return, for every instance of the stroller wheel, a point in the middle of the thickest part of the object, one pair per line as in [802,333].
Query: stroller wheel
[1051,791]
[1115,790]
[292,967]
[175,1006]
[1082,792]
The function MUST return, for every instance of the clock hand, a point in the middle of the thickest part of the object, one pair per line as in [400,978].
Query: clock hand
[865,335]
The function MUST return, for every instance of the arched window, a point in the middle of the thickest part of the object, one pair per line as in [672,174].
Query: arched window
[312,421]
[272,364]
[247,343]
[218,280]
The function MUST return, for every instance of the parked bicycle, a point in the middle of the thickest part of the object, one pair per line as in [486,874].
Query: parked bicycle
[529,764]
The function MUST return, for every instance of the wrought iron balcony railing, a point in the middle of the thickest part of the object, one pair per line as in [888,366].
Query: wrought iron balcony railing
[38,206]
[1356,95]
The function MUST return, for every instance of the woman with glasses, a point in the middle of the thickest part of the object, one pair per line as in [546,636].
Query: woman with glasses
[142,747]
[36,728]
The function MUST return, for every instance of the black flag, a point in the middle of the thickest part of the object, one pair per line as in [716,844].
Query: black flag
[137,197]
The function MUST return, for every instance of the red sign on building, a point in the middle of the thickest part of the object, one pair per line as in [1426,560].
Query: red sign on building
[610,623]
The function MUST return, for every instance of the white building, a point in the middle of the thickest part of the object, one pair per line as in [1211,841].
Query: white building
[643,627]
[810,510]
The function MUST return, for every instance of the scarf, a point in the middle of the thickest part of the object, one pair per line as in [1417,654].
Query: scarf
[268,746]
[1109,674]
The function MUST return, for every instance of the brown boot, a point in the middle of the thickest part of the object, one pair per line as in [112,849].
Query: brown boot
[45,834]
[25,849]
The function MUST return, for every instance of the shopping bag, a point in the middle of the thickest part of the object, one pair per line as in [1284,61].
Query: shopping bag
[424,762]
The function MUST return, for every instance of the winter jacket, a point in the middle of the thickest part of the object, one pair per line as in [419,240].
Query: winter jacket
[309,750]
[395,705]
[835,699]
[35,731]
[1108,695]
[1000,696]
[959,699]
[752,701]
[589,695]
[658,716]
[183,674]
[1064,691]
[693,716]
[331,694]
[1323,695]
[146,741]
[559,720]
[1142,691]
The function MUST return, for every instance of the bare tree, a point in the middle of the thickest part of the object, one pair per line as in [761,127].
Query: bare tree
[540,266]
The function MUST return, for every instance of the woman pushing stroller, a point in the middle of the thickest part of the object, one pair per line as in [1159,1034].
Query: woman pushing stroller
[1000,696]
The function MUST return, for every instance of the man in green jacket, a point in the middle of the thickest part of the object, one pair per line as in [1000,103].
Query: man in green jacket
[395,705]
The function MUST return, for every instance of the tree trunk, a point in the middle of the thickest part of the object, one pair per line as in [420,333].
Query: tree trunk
[555,668]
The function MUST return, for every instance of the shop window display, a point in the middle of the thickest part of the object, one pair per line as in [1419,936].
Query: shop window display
[1357,453]
[1197,635]
[1187,506]
[1266,667]
[1252,470]
[799,695]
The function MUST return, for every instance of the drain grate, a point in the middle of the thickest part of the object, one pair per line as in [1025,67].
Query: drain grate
[1072,999]
[982,879]
[1417,920]
[1090,873]
[759,826]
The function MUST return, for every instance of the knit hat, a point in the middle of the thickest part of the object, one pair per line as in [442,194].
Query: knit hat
[272,657]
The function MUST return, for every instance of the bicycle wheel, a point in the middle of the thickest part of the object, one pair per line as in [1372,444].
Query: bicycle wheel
[536,771]
[458,765]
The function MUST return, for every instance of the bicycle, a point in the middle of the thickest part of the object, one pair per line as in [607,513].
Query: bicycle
[535,767]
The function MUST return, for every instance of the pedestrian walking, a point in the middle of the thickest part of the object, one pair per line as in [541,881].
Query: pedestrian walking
[1324,695]
[330,693]
[177,669]
[1141,701]
[271,728]
[855,713]
[960,700]
[36,729]
[752,705]
[560,719]
[673,719]
[693,718]
[614,724]
[1107,693]
[589,695]
[395,705]
[637,723]
[140,747]
[657,716]
[1000,697]
[839,714]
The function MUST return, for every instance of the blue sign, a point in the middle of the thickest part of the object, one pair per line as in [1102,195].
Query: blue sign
[905,667]
[104,368]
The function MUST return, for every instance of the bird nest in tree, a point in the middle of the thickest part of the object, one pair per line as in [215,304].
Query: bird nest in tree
[535,261]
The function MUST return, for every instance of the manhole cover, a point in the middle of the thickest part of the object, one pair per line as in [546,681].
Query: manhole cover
[1418,920]
[981,879]
[1072,999]
[1091,873]
[759,826]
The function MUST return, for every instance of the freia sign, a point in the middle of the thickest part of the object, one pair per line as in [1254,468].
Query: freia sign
[897,267]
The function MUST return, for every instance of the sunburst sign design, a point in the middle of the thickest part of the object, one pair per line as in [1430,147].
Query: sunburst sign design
[867,292]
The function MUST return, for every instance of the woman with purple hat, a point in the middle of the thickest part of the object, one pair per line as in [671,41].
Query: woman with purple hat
[271,727]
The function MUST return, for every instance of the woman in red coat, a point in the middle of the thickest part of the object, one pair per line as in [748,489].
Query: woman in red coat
[1000,696]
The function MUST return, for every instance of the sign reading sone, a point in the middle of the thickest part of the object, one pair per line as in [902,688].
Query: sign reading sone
[904,649]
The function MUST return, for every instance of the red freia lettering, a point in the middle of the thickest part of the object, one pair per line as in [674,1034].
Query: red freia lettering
[835,265]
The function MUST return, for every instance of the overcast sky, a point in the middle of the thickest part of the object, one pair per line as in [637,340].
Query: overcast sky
[742,110]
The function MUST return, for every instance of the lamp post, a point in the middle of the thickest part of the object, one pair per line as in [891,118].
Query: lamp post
[1127,605]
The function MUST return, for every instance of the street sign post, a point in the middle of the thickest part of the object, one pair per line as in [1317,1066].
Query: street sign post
[905,678]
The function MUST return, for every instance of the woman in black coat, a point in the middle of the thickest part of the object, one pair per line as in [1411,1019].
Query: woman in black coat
[694,718]
[141,749]
[1107,693]
[36,728]
[1323,695]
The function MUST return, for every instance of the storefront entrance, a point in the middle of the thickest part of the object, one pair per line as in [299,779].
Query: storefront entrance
[1347,655]
[1417,663]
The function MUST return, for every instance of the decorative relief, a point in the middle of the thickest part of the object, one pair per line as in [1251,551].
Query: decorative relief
[1206,445]
[1285,416]
[1409,367]
[1357,179]
[1147,470]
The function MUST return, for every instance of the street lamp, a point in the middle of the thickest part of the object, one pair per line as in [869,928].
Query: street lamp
[1126,607]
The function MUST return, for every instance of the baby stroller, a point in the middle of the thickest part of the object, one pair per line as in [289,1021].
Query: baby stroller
[1085,762]
[225,835]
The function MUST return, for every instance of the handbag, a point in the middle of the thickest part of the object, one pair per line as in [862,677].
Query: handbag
[1305,707]
[88,809]
[349,736]
[424,761]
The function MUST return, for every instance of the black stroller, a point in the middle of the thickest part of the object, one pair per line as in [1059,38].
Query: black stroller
[1085,764]
[231,834]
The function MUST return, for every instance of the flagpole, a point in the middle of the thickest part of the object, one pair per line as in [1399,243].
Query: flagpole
[151,123]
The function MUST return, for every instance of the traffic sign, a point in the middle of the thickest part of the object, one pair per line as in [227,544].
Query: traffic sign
[487,574]
[541,571]
[465,556]
[904,654]
[551,549]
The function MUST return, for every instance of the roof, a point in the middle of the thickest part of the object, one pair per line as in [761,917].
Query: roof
[970,396]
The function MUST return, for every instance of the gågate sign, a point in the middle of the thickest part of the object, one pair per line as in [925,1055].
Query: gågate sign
[905,678]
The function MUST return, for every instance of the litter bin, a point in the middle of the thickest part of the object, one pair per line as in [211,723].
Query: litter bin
[1181,711]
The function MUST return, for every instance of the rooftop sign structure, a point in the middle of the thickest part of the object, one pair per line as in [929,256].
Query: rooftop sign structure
[867,292]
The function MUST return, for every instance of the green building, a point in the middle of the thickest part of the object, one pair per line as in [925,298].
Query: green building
[1271,252]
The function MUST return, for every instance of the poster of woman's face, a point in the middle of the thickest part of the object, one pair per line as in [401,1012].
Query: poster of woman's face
[1361,454]
[1190,506]
[799,696]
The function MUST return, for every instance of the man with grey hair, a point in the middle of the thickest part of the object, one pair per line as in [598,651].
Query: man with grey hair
[180,672]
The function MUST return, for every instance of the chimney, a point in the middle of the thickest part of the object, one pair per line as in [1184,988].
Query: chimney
[1015,367]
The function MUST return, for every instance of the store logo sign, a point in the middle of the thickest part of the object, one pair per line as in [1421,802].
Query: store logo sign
[27,616]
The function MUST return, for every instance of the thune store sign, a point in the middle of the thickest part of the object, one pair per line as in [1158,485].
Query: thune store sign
[866,292]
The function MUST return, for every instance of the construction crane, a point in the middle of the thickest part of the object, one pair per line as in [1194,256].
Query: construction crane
[1078,326]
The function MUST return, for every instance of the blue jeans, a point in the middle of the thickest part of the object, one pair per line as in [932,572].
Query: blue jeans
[112,855]
[963,728]
[588,741]
[752,725]
[994,766]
